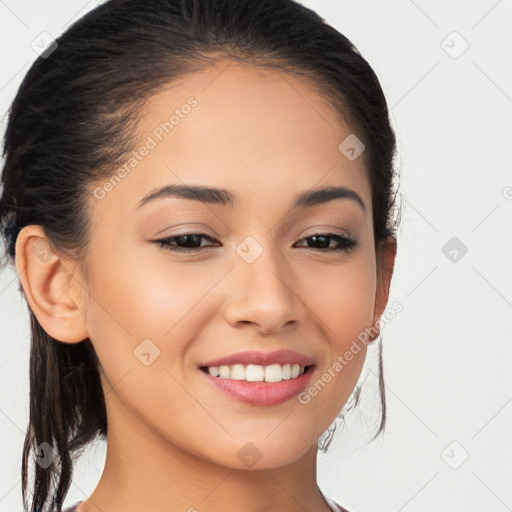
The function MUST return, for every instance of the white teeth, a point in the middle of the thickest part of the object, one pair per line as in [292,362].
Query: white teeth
[256,372]
[273,373]
[237,372]
[224,372]
[214,370]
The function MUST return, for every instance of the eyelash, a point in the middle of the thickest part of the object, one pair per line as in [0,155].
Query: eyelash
[345,244]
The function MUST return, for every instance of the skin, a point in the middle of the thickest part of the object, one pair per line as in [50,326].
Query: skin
[173,438]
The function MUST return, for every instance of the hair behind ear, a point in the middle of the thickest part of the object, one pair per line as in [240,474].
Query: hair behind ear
[67,410]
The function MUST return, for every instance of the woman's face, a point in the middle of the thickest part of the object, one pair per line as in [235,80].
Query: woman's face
[254,281]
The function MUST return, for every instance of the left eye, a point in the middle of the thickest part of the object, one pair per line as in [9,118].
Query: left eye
[324,240]
[191,242]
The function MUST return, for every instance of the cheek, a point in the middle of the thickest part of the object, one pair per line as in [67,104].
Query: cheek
[345,302]
[170,302]
[136,322]
[147,298]
[133,302]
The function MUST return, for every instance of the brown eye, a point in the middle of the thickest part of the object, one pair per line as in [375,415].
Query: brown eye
[186,242]
[322,242]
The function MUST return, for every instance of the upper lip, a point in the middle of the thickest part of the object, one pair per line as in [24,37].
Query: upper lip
[262,358]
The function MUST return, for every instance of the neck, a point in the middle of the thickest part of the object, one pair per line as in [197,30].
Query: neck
[144,471]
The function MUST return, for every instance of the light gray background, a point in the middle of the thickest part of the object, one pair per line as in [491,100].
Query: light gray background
[448,353]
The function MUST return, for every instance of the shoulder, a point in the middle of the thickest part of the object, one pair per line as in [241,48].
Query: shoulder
[335,507]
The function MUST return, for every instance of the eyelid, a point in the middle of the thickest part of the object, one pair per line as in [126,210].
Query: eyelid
[196,228]
[322,229]
[327,229]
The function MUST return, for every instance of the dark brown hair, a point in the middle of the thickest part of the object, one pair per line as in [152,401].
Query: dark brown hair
[73,121]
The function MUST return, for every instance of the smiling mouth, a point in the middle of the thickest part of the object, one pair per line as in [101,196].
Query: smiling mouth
[257,373]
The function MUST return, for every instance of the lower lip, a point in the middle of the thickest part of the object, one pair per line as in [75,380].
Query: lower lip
[261,393]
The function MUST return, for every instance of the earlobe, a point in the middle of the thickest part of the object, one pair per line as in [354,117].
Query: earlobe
[50,289]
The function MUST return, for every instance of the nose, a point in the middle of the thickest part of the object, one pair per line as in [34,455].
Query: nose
[264,294]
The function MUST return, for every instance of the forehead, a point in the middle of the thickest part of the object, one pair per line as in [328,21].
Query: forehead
[236,126]
[244,101]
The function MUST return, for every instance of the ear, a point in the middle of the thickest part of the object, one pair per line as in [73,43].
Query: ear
[53,294]
[385,265]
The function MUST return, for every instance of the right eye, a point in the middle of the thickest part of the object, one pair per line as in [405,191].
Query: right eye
[186,242]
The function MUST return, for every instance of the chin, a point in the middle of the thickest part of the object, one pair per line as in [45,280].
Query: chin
[271,452]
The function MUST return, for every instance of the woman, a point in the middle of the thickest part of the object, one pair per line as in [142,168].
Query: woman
[198,199]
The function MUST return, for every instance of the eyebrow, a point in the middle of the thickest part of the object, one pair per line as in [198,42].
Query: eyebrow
[223,197]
